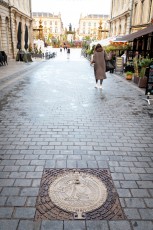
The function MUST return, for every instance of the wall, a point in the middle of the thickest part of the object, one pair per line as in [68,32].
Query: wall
[11,13]
[142,14]
[120,22]
[128,16]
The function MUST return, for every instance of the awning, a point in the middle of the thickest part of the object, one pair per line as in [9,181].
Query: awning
[103,42]
[131,37]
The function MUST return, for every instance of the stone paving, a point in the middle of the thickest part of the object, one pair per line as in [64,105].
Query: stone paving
[53,117]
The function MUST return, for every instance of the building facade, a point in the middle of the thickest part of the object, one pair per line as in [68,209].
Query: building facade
[142,14]
[89,26]
[128,16]
[12,14]
[52,25]
[120,18]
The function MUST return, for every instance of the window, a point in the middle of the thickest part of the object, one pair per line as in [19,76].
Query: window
[135,13]
[142,10]
[89,23]
[7,32]
[125,25]
[119,32]
[150,15]
[84,23]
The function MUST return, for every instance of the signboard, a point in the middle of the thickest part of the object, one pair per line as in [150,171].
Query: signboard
[119,64]
[149,87]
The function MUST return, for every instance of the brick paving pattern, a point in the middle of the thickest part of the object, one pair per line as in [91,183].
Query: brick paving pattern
[53,117]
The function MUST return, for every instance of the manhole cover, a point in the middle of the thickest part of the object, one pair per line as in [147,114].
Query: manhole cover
[77,194]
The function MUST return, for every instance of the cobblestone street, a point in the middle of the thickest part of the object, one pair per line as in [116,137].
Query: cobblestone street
[52,116]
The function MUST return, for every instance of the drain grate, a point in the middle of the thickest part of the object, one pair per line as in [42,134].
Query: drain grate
[68,194]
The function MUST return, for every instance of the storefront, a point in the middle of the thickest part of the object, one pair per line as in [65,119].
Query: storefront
[141,41]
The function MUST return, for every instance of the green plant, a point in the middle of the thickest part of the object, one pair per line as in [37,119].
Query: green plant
[145,62]
[88,51]
[129,73]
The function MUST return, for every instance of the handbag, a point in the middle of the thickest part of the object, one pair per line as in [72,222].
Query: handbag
[109,65]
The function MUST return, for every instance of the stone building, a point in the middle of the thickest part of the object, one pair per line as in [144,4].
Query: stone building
[52,25]
[89,26]
[12,14]
[142,14]
[120,18]
[128,16]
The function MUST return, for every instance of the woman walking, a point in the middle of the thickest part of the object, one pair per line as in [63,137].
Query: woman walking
[99,58]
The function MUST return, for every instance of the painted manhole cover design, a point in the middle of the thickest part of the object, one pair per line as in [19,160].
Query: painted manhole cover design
[67,194]
[78,192]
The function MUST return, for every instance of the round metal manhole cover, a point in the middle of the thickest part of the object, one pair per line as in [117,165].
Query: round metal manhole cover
[78,192]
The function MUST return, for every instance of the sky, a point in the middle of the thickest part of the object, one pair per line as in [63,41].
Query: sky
[71,9]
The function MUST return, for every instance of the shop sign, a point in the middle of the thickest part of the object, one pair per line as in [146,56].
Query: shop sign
[119,64]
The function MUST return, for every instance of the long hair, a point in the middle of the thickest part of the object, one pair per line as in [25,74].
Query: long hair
[98,48]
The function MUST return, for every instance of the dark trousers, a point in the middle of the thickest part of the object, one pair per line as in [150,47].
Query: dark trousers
[112,71]
[101,81]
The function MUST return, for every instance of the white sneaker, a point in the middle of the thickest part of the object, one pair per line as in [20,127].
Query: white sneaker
[100,87]
[96,86]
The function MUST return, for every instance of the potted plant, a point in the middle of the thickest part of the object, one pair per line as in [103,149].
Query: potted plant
[144,64]
[136,74]
[129,75]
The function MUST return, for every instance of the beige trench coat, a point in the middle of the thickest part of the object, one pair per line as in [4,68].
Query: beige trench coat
[99,64]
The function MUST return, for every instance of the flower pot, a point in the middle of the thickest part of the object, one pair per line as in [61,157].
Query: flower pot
[136,79]
[142,82]
[129,77]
